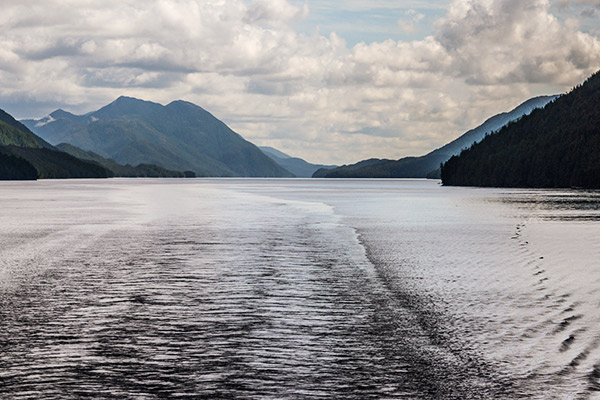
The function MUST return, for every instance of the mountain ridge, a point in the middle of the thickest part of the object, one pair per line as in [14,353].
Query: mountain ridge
[428,165]
[12,132]
[179,136]
[556,146]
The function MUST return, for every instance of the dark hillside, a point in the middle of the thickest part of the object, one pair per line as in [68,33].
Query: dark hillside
[15,168]
[557,146]
[51,164]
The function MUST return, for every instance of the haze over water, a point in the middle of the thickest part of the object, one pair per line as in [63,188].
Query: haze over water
[270,289]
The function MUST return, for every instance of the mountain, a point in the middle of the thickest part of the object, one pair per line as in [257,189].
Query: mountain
[557,146]
[124,171]
[53,164]
[179,136]
[270,151]
[23,155]
[428,165]
[12,132]
[491,125]
[297,166]
[348,171]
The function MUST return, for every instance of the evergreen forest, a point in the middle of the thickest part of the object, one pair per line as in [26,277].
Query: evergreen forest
[554,147]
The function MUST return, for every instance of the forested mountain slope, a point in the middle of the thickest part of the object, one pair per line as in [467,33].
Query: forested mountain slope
[557,146]
[429,164]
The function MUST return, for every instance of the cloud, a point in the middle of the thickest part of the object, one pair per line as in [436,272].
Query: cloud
[566,3]
[311,95]
[409,23]
[274,12]
[512,41]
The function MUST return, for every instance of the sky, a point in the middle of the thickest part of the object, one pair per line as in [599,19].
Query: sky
[328,81]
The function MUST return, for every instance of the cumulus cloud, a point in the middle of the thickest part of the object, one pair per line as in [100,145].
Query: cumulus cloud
[508,41]
[310,95]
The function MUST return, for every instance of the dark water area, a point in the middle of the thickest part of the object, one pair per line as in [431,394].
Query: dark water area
[286,289]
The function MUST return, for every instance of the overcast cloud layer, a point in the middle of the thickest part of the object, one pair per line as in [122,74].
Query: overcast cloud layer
[311,95]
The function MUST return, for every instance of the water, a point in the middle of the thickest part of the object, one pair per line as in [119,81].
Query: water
[275,289]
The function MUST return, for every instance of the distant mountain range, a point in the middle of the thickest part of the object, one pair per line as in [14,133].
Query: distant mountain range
[557,146]
[548,141]
[180,136]
[428,165]
[297,166]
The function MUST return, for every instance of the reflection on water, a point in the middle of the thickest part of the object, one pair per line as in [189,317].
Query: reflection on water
[559,205]
[297,289]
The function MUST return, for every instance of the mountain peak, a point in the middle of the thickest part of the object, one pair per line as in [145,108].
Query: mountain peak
[183,103]
[127,100]
[122,99]
[60,113]
[125,105]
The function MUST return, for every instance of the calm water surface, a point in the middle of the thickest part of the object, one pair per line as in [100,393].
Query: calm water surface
[277,289]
